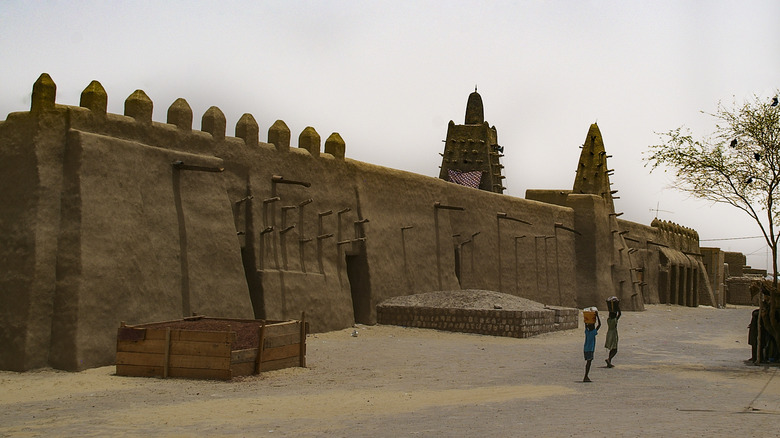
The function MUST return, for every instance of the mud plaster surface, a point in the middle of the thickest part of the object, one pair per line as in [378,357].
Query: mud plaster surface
[679,372]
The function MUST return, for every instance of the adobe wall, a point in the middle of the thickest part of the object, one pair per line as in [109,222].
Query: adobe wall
[603,266]
[714,261]
[736,263]
[31,181]
[642,249]
[111,218]
[115,218]
[739,291]
[671,264]
[130,238]
[409,243]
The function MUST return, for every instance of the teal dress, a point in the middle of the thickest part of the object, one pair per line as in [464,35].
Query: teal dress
[612,334]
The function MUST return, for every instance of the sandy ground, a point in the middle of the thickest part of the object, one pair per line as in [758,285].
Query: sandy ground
[679,372]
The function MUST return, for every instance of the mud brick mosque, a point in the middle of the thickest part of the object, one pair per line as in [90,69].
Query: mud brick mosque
[116,217]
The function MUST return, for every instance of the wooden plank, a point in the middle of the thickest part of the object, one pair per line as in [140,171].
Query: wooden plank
[153,346]
[167,352]
[286,328]
[291,350]
[130,334]
[175,360]
[195,373]
[189,373]
[168,321]
[281,340]
[178,347]
[207,362]
[211,349]
[274,321]
[250,354]
[243,369]
[192,335]
[302,349]
[155,333]
[205,336]
[141,359]
[138,370]
[241,356]
[271,365]
[260,347]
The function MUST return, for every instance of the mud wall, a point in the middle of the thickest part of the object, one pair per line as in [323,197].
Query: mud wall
[116,218]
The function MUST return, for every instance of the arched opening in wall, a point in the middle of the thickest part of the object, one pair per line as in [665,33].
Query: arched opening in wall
[457,265]
[673,284]
[359,286]
[695,287]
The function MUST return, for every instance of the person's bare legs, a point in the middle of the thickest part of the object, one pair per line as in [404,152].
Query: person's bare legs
[587,370]
[612,354]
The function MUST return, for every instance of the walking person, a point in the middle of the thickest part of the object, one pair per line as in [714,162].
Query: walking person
[611,343]
[591,330]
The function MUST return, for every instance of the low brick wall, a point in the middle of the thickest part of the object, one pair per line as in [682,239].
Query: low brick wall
[496,322]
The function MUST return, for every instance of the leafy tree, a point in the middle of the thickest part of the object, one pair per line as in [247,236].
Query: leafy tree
[738,165]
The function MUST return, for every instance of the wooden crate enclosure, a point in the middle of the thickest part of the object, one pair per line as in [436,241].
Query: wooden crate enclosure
[210,348]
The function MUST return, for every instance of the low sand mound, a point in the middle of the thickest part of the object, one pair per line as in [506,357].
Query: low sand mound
[465,299]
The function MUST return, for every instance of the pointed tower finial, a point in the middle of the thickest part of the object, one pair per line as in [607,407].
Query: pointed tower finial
[475,114]
[592,172]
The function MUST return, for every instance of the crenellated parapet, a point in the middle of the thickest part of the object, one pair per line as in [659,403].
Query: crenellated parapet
[677,236]
[136,123]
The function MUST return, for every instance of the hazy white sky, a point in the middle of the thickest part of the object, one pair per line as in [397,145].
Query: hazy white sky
[389,75]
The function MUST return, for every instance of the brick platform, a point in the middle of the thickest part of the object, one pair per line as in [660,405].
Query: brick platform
[496,322]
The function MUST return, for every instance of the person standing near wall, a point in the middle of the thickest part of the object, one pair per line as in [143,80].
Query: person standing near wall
[753,336]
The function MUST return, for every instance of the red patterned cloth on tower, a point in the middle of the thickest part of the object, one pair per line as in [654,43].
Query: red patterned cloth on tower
[468,179]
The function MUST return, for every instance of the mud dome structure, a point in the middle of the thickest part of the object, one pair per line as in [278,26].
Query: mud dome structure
[108,218]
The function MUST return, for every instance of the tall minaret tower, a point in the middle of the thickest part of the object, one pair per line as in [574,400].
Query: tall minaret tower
[471,153]
[592,172]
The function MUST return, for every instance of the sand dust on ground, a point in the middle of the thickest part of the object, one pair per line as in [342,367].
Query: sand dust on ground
[679,372]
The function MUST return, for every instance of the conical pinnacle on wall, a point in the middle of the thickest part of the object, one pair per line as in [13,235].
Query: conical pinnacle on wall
[139,106]
[95,98]
[248,130]
[214,122]
[335,146]
[310,140]
[279,136]
[44,93]
[180,114]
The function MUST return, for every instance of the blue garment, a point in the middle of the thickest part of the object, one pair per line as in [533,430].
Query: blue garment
[590,339]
